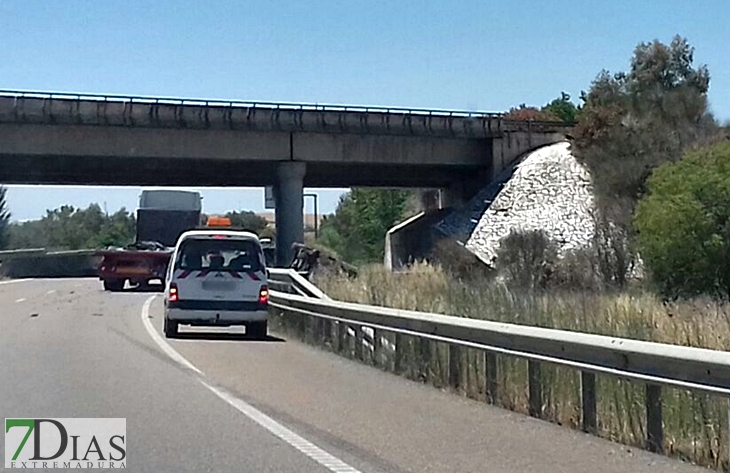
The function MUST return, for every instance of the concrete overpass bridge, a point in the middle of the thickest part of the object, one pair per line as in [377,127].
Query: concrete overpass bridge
[84,139]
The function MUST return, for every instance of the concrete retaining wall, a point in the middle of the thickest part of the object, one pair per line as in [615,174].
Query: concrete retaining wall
[412,239]
[38,263]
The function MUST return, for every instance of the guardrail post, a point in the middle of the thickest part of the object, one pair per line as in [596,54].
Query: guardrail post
[319,328]
[399,352]
[654,431]
[490,364]
[346,342]
[302,327]
[588,401]
[342,343]
[377,346]
[454,366]
[425,355]
[535,388]
[359,346]
[326,331]
[728,420]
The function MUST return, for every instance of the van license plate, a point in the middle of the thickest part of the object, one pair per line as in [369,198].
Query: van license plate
[219,285]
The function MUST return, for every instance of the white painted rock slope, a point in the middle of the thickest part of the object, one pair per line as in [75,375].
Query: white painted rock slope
[549,191]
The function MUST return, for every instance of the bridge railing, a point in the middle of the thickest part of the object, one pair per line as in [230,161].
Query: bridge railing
[79,96]
[653,364]
[129,110]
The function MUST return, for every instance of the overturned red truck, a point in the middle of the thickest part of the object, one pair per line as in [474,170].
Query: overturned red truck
[162,216]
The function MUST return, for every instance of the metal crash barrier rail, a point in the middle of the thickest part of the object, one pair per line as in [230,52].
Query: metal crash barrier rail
[654,364]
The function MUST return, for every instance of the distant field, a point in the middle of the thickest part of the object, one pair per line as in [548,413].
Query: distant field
[695,424]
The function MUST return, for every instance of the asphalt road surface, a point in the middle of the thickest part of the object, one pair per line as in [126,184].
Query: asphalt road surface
[216,401]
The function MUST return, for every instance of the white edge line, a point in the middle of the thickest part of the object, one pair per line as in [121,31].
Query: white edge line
[13,281]
[325,459]
[169,351]
[18,301]
[306,447]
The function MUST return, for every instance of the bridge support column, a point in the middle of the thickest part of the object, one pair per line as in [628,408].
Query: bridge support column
[451,197]
[288,193]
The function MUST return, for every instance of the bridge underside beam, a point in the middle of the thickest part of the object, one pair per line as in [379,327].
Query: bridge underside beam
[143,171]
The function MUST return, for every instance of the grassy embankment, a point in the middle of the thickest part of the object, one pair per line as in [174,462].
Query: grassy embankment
[695,424]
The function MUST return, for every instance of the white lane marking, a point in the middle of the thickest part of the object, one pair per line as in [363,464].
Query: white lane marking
[52,291]
[13,281]
[309,449]
[325,459]
[160,341]
[22,299]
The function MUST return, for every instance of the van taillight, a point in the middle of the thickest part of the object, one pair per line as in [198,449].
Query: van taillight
[264,295]
[174,295]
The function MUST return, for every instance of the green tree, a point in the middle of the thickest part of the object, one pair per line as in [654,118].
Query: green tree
[683,224]
[4,219]
[68,228]
[357,229]
[630,123]
[633,121]
[562,108]
[248,221]
[118,229]
[523,112]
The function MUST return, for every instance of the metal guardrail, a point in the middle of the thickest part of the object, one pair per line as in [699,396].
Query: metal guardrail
[8,254]
[290,281]
[654,364]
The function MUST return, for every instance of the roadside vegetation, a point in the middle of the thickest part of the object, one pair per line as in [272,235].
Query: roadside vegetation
[695,424]
[658,267]
[70,228]
[248,220]
[356,231]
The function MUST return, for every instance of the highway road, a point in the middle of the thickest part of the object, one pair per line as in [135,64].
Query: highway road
[216,401]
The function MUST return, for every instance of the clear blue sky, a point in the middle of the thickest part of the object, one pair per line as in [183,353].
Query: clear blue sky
[465,54]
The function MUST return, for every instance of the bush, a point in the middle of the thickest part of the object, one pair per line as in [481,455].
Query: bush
[458,262]
[530,260]
[684,224]
[577,271]
[526,259]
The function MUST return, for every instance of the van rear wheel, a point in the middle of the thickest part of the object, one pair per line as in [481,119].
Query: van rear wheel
[114,285]
[257,329]
[170,328]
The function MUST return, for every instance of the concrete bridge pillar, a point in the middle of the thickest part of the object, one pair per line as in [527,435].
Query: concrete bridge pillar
[452,197]
[288,193]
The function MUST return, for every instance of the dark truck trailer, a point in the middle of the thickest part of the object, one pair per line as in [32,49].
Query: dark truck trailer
[165,226]
[159,225]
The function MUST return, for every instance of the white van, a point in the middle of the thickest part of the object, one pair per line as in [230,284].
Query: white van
[217,278]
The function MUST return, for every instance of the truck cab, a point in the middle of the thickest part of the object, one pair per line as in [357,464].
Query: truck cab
[217,278]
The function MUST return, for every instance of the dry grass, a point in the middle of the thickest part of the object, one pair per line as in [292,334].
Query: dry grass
[695,424]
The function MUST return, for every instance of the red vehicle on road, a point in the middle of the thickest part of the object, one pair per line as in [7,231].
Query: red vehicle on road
[161,218]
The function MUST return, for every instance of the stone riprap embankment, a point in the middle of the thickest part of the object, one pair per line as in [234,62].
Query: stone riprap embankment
[550,191]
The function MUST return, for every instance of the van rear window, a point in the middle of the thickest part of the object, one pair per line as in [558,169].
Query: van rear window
[224,255]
